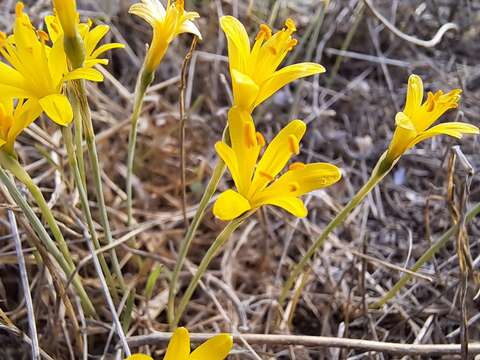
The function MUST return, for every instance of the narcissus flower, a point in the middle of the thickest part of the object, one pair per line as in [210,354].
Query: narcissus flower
[91,37]
[13,120]
[166,23]
[257,183]
[38,72]
[66,10]
[216,348]
[254,70]
[413,124]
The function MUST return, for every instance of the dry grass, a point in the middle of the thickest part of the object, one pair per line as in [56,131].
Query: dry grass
[350,113]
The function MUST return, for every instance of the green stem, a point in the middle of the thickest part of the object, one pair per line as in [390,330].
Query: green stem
[77,120]
[47,241]
[96,172]
[67,137]
[211,253]
[145,78]
[12,165]
[187,241]
[427,256]
[379,172]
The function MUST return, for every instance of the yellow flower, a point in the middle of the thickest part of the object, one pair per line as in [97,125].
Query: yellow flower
[139,357]
[254,70]
[13,120]
[90,36]
[216,348]
[413,124]
[166,24]
[66,11]
[38,72]
[256,183]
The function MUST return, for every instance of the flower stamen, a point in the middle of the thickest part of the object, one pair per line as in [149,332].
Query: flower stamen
[293,144]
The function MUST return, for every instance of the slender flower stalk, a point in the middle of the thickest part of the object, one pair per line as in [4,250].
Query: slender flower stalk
[81,36]
[212,185]
[213,250]
[143,82]
[379,172]
[47,241]
[167,23]
[216,348]
[413,125]
[82,102]
[68,139]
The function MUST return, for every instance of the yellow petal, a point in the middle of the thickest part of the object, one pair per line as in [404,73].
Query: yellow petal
[179,345]
[84,73]
[299,180]
[53,27]
[277,154]
[67,13]
[139,357]
[92,62]
[57,62]
[12,83]
[58,108]
[284,76]
[414,95]
[238,43]
[293,205]
[216,348]
[230,205]
[228,156]
[94,36]
[243,137]
[454,129]
[24,114]
[189,27]
[245,90]
[149,10]
[403,121]
[103,48]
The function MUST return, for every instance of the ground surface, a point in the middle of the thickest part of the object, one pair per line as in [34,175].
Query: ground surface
[350,110]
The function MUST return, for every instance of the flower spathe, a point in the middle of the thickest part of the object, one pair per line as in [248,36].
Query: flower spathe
[256,180]
[14,119]
[216,348]
[167,23]
[91,36]
[254,69]
[414,123]
[36,71]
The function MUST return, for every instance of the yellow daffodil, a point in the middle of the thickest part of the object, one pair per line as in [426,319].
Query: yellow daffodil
[38,72]
[66,10]
[166,23]
[90,36]
[254,70]
[413,124]
[13,120]
[256,183]
[216,348]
